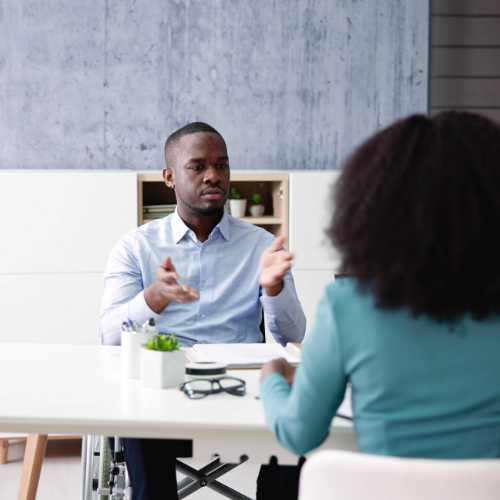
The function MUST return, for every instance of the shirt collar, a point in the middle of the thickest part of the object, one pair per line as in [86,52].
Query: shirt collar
[179,229]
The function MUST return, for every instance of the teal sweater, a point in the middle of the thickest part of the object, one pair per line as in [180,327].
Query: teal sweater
[420,388]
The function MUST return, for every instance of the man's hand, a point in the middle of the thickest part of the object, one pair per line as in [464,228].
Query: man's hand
[281,366]
[274,264]
[166,289]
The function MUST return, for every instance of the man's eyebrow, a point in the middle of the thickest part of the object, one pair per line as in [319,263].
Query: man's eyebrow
[196,160]
[202,160]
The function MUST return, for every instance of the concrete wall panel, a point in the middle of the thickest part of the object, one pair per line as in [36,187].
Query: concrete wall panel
[290,84]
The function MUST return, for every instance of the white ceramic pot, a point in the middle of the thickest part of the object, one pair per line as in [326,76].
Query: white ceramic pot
[162,369]
[238,208]
[257,210]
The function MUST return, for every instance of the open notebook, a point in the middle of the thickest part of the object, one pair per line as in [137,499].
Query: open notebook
[243,356]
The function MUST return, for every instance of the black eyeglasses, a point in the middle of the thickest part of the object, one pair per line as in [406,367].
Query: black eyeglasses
[200,388]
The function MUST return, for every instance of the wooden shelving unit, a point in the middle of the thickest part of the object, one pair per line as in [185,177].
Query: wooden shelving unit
[272,187]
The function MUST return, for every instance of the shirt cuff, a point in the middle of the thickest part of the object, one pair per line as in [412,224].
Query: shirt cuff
[278,303]
[139,311]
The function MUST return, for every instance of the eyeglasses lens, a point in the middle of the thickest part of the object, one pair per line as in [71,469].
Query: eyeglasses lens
[233,386]
[198,388]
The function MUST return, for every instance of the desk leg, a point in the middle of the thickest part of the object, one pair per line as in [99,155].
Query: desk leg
[32,466]
[4,451]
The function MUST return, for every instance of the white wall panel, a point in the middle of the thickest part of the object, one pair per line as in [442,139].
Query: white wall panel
[310,286]
[50,308]
[310,213]
[57,221]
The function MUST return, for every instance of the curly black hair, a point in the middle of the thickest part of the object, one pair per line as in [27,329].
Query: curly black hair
[417,216]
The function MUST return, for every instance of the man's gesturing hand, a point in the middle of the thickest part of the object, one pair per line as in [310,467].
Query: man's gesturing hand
[274,264]
[166,289]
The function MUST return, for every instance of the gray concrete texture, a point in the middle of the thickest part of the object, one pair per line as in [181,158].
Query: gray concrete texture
[290,84]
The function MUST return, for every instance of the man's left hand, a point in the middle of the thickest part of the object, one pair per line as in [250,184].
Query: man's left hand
[274,264]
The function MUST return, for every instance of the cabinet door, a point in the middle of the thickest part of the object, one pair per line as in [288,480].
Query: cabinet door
[59,222]
[50,308]
[310,213]
[310,286]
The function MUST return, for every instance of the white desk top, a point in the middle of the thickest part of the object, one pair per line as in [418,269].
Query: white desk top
[72,389]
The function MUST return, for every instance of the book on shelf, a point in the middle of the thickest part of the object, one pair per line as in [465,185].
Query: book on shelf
[156,215]
[243,356]
[159,208]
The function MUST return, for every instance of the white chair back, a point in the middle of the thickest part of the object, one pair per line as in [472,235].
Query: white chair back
[344,475]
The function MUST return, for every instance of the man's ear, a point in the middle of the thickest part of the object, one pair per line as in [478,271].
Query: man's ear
[168,177]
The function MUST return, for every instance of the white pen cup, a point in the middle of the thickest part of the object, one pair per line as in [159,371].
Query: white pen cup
[131,352]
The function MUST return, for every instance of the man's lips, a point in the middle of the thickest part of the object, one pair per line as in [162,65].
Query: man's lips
[212,194]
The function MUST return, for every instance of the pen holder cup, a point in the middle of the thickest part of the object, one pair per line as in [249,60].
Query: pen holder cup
[162,369]
[131,353]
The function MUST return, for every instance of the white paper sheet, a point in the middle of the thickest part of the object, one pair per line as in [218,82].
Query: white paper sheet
[243,354]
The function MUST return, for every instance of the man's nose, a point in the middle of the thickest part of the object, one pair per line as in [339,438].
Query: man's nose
[212,176]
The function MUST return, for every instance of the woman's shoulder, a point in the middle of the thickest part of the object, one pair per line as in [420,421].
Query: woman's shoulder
[345,291]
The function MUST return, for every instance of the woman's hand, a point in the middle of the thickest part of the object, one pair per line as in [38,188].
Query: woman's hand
[281,366]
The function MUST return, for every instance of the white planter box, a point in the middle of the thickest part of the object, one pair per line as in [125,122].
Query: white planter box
[162,369]
[238,208]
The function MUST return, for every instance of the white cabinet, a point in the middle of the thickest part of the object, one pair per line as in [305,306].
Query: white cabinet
[311,209]
[310,285]
[57,229]
[315,261]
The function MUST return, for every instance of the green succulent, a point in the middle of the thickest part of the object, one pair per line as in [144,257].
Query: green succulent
[256,199]
[165,343]
[234,194]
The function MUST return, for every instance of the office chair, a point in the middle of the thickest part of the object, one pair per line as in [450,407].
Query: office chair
[357,476]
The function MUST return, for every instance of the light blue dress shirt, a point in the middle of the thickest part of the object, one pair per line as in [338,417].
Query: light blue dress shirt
[225,271]
[419,388]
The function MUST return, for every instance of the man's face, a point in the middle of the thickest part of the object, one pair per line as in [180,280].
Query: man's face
[200,174]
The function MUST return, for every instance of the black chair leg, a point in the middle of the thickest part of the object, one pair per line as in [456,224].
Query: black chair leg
[207,477]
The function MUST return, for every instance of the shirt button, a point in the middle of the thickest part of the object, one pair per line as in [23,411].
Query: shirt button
[266,304]
[202,316]
[204,250]
[205,284]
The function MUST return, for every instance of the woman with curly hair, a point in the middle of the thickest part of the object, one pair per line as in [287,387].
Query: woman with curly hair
[416,330]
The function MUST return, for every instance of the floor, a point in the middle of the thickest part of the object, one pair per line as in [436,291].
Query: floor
[61,474]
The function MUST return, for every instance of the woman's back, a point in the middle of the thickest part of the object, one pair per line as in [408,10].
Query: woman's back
[420,388]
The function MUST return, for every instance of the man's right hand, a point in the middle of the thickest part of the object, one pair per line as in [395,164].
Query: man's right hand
[166,289]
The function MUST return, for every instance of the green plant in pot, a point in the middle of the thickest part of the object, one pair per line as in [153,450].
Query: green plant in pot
[162,362]
[237,204]
[257,210]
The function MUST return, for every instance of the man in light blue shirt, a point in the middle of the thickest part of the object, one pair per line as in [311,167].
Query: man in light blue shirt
[224,269]
[202,275]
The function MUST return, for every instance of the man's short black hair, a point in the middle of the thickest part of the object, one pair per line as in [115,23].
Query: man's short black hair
[190,128]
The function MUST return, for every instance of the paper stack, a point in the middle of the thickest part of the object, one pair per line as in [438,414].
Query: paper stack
[242,356]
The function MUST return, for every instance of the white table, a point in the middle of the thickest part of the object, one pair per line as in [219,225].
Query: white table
[67,389]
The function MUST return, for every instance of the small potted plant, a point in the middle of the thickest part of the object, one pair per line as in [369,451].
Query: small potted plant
[257,210]
[237,204]
[162,362]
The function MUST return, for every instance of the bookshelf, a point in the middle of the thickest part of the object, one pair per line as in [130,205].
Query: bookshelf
[272,187]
